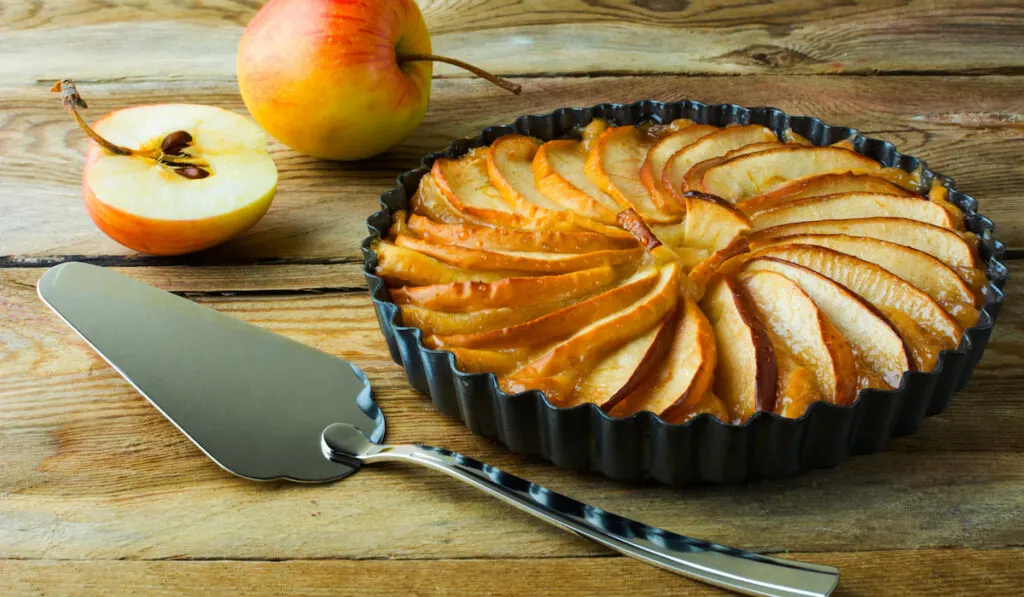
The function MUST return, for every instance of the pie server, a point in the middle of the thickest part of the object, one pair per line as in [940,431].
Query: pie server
[265,407]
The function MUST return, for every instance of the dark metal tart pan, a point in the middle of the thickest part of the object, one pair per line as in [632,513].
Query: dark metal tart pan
[643,446]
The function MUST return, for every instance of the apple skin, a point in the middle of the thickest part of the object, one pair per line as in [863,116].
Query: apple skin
[322,76]
[166,237]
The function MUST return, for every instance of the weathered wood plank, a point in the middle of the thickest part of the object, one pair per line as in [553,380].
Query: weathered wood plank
[189,42]
[92,471]
[950,573]
[969,128]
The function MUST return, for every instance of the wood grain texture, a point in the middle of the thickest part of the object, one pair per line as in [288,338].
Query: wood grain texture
[924,573]
[197,41]
[971,128]
[91,471]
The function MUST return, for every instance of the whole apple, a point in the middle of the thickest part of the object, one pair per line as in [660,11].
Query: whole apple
[324,77]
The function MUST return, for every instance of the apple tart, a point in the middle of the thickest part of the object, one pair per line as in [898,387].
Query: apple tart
[685,268]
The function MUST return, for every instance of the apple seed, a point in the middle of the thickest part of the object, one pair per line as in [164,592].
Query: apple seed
[192,172]
[175,142]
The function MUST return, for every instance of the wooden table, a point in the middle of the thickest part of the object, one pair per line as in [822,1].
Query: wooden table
[100,496]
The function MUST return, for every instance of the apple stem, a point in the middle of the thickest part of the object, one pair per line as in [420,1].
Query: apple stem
[503,83]
[72,102]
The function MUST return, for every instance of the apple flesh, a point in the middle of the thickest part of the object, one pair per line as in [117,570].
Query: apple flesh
[147,205]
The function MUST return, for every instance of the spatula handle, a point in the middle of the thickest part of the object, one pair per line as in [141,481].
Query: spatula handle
[740,571]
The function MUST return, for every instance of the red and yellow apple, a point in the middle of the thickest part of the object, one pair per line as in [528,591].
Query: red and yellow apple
[339,79]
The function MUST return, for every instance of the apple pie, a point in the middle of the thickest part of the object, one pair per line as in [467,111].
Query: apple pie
[683,269]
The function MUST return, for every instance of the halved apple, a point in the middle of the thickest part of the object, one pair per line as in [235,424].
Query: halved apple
[746,373]
[506,292]
[876,344]
[755,174]
[819,185]
[925,326]
[510,168]
[654,164]
[849,206]
[150,205]
[518,261]
[614,165]
[683,376]
[559,324]
[610,330]
[708,147]
[800,328]
[473,236]
[945,245]
[559,173]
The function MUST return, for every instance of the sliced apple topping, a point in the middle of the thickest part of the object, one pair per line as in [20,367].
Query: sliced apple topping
[682,269]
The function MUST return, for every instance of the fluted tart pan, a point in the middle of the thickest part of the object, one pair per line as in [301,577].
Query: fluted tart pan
[704,449]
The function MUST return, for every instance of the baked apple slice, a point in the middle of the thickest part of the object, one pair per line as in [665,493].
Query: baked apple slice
[610,330]
[745,374]
[878,350]
[473,236]
[651,172]
[617,374]
[849,206]
[432,322]
[926,327]
[510,168]
[518,261]
[755,174]
[708,147]
[400,266]
[516,292]
[559,172]
[683,376]
[947,246]
[559,324]
[498,362]
[614,165]
[819,185]
[917,267]
[692,179]
[710,222]
[805,337]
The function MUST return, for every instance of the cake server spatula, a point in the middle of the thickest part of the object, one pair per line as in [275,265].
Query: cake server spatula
[265,407]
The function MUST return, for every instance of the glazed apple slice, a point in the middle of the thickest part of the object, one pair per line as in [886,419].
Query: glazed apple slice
[917,267]
[819,185]
[849,206]
[710,222]
[746,373]
[692,178]
[683,376]
[711,146]
[613,164]
[801,331]
[400,266]
[519,261]
[510,168]
[708,404]
[945,245]
[507,292]
[559,324]
[877,346]
[430,202]
[473,236]
[498,362]
[466,186]
[654,164]
[755,174]
[926,327]
[432,322]
[559,173]
[613,329]
[623,369]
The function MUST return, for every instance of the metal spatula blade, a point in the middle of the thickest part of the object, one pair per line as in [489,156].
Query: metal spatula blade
[253,401]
